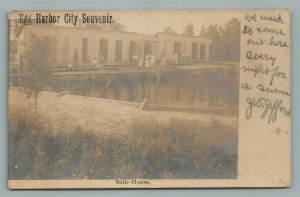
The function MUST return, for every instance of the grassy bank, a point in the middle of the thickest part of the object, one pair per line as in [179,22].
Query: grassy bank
[150,149]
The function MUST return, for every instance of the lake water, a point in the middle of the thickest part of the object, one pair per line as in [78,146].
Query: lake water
[205,87]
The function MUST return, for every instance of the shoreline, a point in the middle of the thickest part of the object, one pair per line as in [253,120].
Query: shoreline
[103,115]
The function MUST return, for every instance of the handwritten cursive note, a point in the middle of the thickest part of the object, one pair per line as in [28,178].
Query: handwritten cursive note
[265,66]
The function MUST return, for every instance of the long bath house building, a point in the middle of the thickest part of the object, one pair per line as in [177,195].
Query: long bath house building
[116,47]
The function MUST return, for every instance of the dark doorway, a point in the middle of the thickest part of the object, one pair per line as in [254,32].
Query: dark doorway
[202,51]
[177,49]
[118,51]
[66,50]
[132,49]
[103,49]
[194,51]
[50,43]
[84,50]
[147,49]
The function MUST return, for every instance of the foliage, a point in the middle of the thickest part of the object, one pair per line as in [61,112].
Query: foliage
[225,40]
[189,29]
[169,30]
[35,69]
[150,149]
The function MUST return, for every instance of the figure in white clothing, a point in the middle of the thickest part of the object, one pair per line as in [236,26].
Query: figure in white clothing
[70,66]
[163,61]
[147,61]
[151,60]
[175,58]
[140,63]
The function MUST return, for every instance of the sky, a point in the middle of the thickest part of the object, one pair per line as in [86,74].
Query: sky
[151,22]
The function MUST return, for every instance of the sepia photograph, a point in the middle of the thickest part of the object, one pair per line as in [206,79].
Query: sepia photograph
[126,96]
[101,101]
[178,98]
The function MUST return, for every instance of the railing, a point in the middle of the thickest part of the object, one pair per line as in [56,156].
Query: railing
[123,68]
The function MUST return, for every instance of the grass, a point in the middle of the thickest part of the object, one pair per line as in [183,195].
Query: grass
[177,149]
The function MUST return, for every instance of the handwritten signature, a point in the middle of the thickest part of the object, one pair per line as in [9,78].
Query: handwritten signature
[271,108]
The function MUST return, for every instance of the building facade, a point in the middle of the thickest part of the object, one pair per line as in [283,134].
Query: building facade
[115,47]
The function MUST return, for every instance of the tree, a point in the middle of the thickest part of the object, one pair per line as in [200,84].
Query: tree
[116,27]
[169,30]
[231,37]
[216,48]
[189,29]
[35,69]
[202,30]
[225,40]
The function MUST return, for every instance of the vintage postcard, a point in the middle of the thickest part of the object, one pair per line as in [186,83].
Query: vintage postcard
[149,98]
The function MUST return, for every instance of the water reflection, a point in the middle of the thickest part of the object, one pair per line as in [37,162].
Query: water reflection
[196,88]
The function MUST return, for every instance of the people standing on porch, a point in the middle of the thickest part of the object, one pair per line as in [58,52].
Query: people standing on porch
[70,66]
[147,61]
[175,58]
[101,61]
[140,63]
[151,60]
[135,60]
[95,61]
[163,61]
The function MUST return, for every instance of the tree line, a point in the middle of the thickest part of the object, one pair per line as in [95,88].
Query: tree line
[225,39]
